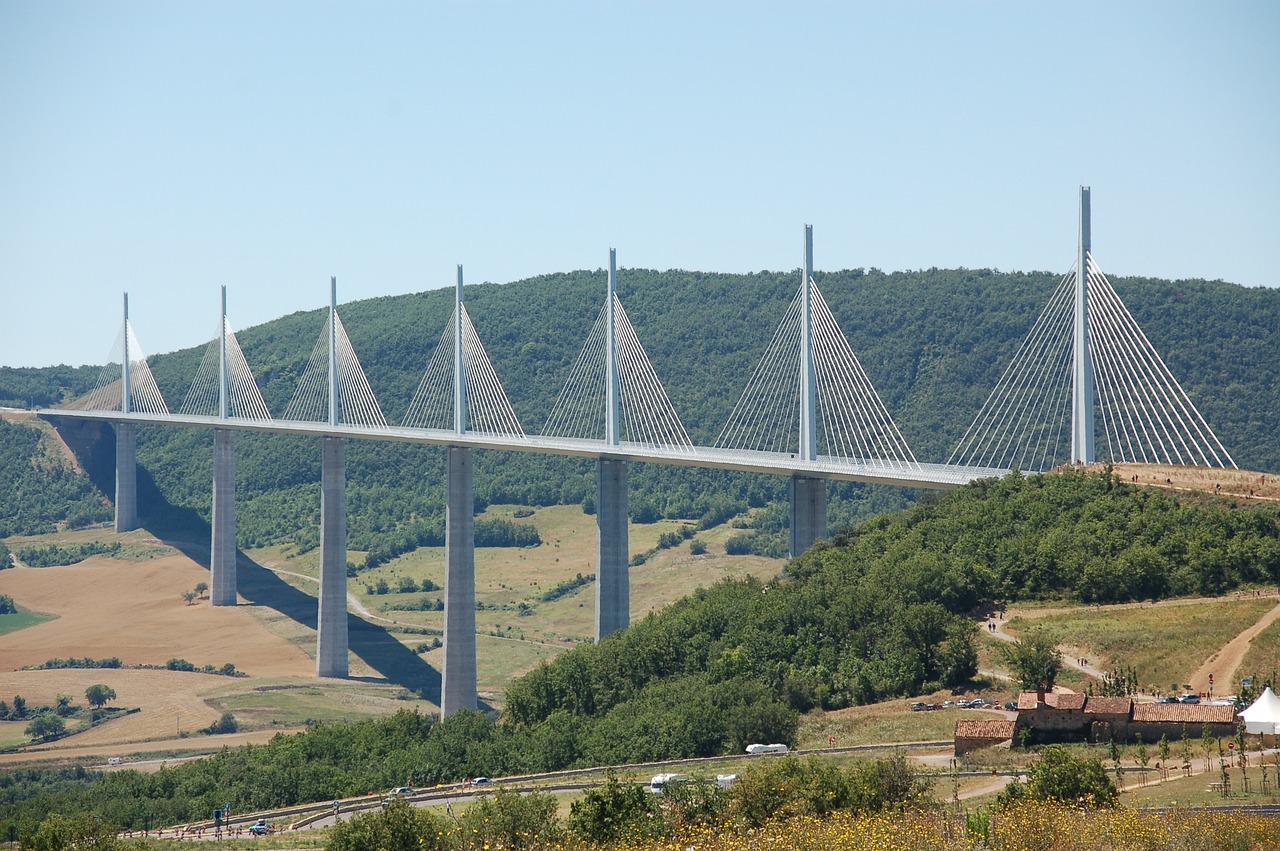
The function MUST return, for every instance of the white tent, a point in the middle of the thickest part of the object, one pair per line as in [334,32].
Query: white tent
[1263,716]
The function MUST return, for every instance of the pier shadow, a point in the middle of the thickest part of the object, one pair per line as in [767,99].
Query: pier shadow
[186,531]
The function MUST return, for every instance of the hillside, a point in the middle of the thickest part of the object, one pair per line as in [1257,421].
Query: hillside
[932,341]
[881,611]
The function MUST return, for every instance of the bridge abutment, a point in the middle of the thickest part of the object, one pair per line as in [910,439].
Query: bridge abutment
[222,550]
[458,686]
[808,512]
[613,581]
[126,477]
[331,621]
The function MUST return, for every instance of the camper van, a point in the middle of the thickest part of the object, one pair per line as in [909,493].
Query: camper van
[759,749]
[659,782]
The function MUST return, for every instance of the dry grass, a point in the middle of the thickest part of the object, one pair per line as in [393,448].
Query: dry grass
[1166,642]
[1263,657]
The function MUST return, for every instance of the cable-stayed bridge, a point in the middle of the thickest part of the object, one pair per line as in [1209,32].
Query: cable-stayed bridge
[809,411]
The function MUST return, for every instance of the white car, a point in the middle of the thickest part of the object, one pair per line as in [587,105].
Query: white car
[774,748]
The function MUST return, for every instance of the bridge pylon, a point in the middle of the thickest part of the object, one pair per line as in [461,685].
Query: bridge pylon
[1086,384]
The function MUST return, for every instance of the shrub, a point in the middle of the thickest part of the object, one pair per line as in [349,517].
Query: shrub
[398,827]
[613,810]
[509,819]
[226,724]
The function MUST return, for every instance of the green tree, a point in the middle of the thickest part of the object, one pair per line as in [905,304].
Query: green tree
[99,694]
[19,710]
[1062,777]
[64,707]
[45,727]
[200,588]
[60,833]
[189,596]
[1035,661]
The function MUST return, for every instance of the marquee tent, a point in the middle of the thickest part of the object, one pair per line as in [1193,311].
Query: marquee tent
[1263,716]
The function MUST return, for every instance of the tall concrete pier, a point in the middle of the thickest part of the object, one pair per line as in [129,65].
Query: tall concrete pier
[458,688]
[613,580]
[222,553]
[126,477]
[808,513]
[808,495]
[331,623]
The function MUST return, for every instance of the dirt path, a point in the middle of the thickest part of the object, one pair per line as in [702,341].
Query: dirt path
[1068,653]
[1223,664]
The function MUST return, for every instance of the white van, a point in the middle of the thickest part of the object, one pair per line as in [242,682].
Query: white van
[774,748]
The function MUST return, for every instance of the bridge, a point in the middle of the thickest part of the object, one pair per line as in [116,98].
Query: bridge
[809,411]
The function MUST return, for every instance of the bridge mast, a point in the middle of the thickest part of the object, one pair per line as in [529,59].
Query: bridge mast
[126,446]
[458,682]
[222,550]
[331,620]
[808,495]
[808,378]
[1082,436]
[613,583]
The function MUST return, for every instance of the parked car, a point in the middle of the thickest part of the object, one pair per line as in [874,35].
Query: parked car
[400,792]
[759,749]
[979,702]
[948,704]
[480,781]
[1168,699]
[1190,698]
[1011,705]
[259,828]
[918,706]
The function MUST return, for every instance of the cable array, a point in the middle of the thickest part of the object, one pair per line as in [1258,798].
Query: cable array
[487,408]
[855,424]
[356,402]
[1025,424]
[647,416]
[244,399]
[1146,416]
[144,394]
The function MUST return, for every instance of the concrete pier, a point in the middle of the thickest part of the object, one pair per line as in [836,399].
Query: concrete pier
[613,581]
[458,686]
[126,477]
[808,512]
[222,551]
[331,624]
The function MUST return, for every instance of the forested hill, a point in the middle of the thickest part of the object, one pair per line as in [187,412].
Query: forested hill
[933,342]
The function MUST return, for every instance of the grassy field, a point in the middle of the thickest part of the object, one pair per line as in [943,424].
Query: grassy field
[1263,657]
[21,620]
[1165,642]
[1195,790]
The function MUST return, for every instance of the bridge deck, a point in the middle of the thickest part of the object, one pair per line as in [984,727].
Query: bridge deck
[930,476]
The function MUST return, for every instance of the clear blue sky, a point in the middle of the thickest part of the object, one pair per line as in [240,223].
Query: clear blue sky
[168,148]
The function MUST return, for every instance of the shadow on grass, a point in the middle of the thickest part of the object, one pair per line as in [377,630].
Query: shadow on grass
[189,533]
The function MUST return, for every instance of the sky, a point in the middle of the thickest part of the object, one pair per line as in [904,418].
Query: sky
[167,149]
